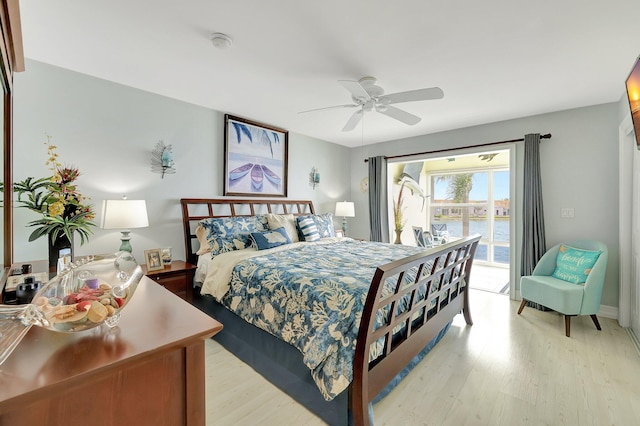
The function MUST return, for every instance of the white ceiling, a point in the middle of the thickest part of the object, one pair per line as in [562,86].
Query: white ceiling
[495,60]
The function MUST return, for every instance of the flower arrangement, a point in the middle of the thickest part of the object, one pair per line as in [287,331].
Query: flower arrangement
[64,210]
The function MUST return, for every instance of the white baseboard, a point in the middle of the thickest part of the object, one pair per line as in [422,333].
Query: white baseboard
[608,312]
[605,311]
[634,339]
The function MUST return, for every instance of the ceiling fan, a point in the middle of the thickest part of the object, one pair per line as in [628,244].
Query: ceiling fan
[367,96]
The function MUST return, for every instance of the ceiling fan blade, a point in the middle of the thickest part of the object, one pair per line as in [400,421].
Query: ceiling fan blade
[356,89]
[400,115]
[353,121]
[414,95]
[331,107]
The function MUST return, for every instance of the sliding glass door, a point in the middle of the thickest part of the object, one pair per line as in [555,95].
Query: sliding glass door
[466,202]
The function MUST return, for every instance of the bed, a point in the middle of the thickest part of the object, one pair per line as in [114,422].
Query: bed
[357,344]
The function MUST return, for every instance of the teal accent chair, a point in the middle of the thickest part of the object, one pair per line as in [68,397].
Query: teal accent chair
[564,297]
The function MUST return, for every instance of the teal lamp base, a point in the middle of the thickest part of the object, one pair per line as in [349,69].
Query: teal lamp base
[344,226]
[125,245]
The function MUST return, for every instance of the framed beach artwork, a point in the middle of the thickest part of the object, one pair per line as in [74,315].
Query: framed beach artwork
[255,158]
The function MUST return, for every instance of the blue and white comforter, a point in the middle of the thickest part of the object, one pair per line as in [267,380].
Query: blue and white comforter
[310,295]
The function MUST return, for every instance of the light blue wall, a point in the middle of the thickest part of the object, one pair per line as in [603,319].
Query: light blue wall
[579,167]
[108,131]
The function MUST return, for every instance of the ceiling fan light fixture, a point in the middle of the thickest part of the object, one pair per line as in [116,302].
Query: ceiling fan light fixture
[367,96]
[221,41]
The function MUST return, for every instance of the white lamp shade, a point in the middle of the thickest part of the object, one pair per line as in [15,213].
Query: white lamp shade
[345,209]
[124,214]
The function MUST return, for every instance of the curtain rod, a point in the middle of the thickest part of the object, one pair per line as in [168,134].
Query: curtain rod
[547,136]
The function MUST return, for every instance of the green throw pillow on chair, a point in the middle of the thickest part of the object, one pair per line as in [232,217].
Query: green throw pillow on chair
[573,265]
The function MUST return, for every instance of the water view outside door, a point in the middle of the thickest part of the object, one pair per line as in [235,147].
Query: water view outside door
[474,203]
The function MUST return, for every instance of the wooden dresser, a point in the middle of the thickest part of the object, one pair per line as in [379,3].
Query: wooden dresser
[147,371]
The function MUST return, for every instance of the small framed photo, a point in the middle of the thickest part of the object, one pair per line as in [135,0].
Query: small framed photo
[153,258]
[339,233]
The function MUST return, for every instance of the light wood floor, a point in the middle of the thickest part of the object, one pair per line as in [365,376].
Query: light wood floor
[504,370]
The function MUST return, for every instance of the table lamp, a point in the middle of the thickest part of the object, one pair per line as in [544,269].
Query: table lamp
[345,209]
[124,214]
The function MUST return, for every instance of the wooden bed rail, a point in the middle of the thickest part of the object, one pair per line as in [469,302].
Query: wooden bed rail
[196,209]
[443,276]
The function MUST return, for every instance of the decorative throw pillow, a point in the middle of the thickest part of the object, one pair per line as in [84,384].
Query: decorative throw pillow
[270,239]
[201,234]
[287,221]
[573,265]
[308,228]
[323,222]
[232,233]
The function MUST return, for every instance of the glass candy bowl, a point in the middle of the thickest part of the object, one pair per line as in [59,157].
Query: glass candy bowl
[89,293]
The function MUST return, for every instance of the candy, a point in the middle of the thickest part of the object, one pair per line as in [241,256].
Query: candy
[98,312]
[92,283]
[85,305]
[66,313]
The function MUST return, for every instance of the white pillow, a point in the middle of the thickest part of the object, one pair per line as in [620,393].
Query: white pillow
[286,221]
[201,234]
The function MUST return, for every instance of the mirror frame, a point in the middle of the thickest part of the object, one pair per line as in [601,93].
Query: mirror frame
[11,61]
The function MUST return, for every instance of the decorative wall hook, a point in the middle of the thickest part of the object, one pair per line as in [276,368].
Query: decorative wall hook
[314,177]
[162,159]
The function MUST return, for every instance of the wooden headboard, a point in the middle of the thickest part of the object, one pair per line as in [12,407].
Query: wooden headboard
[196,209]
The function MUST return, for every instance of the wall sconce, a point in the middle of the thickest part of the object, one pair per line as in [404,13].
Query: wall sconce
[162,159]
[314,177]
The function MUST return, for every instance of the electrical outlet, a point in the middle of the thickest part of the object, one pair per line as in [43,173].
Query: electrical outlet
[566,212]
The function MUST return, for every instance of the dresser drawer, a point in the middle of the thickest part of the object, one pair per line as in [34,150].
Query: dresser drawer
[175,283]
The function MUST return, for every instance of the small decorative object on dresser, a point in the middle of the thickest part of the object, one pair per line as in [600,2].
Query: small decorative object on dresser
[176,277]
[166,255]
[153,258]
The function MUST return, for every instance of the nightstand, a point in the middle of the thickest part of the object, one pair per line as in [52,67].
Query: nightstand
[177,278]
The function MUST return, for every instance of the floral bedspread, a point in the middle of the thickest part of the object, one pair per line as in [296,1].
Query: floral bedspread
[302,297]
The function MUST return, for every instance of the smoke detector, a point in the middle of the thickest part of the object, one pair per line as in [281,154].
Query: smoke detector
[221,41]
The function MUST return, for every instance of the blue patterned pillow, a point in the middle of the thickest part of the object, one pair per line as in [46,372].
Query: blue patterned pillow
[324,224]
[232,233]
[270,239]
[574,265]
[308,228]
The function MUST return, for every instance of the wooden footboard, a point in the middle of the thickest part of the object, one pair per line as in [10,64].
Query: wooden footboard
[444,272]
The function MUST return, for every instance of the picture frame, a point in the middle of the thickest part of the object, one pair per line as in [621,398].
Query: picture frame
[255,158]
[339,233]
[153,258]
